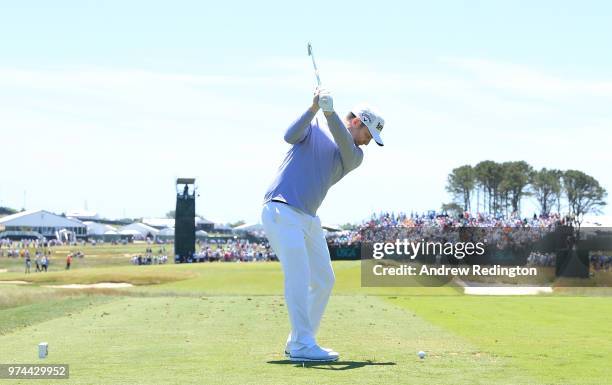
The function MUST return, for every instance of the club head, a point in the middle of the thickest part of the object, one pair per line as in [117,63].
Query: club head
[309,49]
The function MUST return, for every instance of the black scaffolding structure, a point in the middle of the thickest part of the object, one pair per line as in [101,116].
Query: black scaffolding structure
[184,223]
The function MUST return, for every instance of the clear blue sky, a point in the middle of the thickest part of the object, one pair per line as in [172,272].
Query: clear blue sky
[96,97]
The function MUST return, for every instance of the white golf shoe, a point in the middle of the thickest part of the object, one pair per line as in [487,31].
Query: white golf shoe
[287,354]
[313,354]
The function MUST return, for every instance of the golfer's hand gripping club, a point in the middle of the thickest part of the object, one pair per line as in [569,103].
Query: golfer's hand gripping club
[326,102]
[315,101]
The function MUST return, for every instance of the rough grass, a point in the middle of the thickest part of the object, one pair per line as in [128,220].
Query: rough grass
[18,295]
[54,305]
[137,275]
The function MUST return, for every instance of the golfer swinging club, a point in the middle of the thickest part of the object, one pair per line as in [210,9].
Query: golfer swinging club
[322,152]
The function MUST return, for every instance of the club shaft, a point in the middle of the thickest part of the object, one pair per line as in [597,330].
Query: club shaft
[314,64]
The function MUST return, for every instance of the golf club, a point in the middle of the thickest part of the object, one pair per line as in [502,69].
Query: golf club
[314,64]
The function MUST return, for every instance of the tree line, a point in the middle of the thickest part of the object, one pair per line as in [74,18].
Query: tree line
[499,188]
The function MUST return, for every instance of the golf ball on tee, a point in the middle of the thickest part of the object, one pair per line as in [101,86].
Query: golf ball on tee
[421,354]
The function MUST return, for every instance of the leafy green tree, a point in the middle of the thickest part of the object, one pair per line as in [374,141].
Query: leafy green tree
[7,211]
[515,179]
[171,214]
[545,185]
[489,175]
[460,183]
[452,208]
[584,194]
[348,226]
[480,174]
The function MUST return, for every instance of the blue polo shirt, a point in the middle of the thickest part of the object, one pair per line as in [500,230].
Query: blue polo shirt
[323,152]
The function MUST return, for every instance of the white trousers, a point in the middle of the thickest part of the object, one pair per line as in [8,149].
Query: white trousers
[299,242]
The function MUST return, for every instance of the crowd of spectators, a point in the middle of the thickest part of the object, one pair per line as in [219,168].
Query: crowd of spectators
[34,252]
[10,248]
[21,249]
[503,232]
[601,262]
[150,258]
[387,227]
[234,250]
[541,259]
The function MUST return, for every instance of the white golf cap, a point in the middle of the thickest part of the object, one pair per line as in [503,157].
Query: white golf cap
[372,119]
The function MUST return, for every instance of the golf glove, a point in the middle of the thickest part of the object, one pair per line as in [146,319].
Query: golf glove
[326,102]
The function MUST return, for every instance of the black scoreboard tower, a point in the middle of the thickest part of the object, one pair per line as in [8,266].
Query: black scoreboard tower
[184,222]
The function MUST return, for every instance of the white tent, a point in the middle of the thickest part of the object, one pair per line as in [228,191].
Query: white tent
[222,227]
[202,221]
[94,228]
[167,232]
[159,223]
[43,222]
[131,232]
[140,228]
[83,215]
